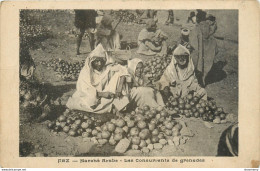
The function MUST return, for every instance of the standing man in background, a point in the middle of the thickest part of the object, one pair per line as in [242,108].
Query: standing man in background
[85,20]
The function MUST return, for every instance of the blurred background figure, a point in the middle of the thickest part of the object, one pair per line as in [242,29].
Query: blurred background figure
[192,18]
[170,20]
[107,35]
[204,44]
[85,20]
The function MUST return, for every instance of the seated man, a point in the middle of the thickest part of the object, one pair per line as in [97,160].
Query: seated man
[99,87]
[141,92]
[152,41]
[180,76]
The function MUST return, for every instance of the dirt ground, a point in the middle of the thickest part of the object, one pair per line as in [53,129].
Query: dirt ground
[224,88]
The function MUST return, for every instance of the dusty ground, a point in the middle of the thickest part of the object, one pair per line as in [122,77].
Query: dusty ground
[224,89]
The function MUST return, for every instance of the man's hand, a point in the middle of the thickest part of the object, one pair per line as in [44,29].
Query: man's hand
[107,95]
[173,84]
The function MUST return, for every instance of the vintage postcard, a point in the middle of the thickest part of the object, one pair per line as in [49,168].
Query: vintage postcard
[129,84]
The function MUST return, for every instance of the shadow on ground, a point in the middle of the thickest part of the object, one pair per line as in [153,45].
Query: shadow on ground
[216,73]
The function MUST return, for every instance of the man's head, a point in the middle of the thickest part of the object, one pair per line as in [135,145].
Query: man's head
[139,69]
[182,60]
[181,55]
[107,21]
[151,25]
[98,63]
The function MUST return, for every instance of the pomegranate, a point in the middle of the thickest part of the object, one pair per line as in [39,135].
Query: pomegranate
[169,125]
[146,108]
[133,113]
[94,132]
[187,115]
[88,130]
[136,140]
[127,118]
[189,96]
[148,141]
[139,117]
[203,104]
[119,130]
[151,126]
[195,99]
[159,108]
[220,110]
[72,133]
[84,125]
[181,101]
[126,129]
[192,103]
[196,114]
[158,116]
[181,106]
[175,103]
[168,132]
[118,137]
[120,123]
[201,110]
[187,106]
[164,113]
[51,125]
[141,124]
[144,134]
[62,124]
[77,122]
[27,96]
[134,131]
[112,141]
[162,128]
[66,129]
[105,134]
[155,132]
[178,126]
[153,112]
[193,110]
[104,127]
[204,117]
[79,132]
[211,117]
[155,139]
[130,123]
[161,136]
[142,144]
[111,127]
[222,116]
[99,135]
[62,118]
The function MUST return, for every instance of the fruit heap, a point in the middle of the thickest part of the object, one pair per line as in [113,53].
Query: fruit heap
[74,123]
[30,29]
[33,101]
[66,70]
[126,15]
[30,94]
[155,67]
[192,106]
[142,129]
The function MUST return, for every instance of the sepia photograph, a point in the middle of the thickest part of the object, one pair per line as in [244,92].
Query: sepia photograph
[137,82]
